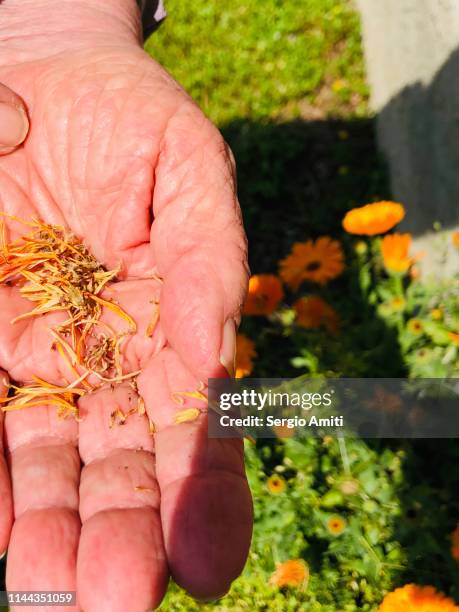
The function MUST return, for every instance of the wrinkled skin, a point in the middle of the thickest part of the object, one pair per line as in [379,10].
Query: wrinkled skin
[119,153]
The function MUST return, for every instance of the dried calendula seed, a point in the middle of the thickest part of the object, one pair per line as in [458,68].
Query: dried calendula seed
[141,406]
[154,320]
[186,416]
[117,417]
[179,396]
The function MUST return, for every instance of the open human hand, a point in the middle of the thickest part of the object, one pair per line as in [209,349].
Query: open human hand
[118,153]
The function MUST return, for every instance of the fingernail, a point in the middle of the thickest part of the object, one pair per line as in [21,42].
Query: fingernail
[2,555]
[14,126]
[228,348]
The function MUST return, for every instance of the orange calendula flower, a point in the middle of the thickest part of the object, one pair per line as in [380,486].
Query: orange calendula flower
[415,326]
[317,261]
[276,484]
[413,598]
[336,525]
[455,543]
[283,431]
[397,303]
[384,400]
[265,293]
[394,250]
[372,219]
[313,312]
[454,337]
[292,573]
[456,239]
[245,354]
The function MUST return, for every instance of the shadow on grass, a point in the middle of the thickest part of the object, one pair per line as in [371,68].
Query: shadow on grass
[298,178]
[431,507]
[296,181]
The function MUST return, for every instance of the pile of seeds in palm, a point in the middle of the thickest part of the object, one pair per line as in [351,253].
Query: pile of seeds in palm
[53,269]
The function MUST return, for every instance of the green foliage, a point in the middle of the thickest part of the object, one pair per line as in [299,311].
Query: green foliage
[377,337]
[360,561]
[396,531]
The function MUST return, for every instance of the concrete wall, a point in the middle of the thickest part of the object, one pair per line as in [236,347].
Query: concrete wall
[412,56]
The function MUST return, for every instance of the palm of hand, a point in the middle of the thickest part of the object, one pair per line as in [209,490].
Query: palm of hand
[120,155]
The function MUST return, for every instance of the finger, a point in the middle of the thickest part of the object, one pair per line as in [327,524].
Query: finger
[14,124]
[199,242]
[6,507]
[45,471]
[18,337]
[206,508]
[121,560]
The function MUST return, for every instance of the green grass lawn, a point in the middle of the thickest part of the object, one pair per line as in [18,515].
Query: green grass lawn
[265,59]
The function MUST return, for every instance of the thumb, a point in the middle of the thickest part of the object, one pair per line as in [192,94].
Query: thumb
[14,124]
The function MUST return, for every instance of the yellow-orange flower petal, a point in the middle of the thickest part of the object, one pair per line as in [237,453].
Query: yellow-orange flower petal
[415,326]
[317,261]
[336,525]
[276,484]
[313,312]
[398,303]
[293,573]
[384,400]
[413,598]
[186,416]
[372,219]
[245,354]
[456,239]
[454,337]
[283,431]
[394,250]
[265,293]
